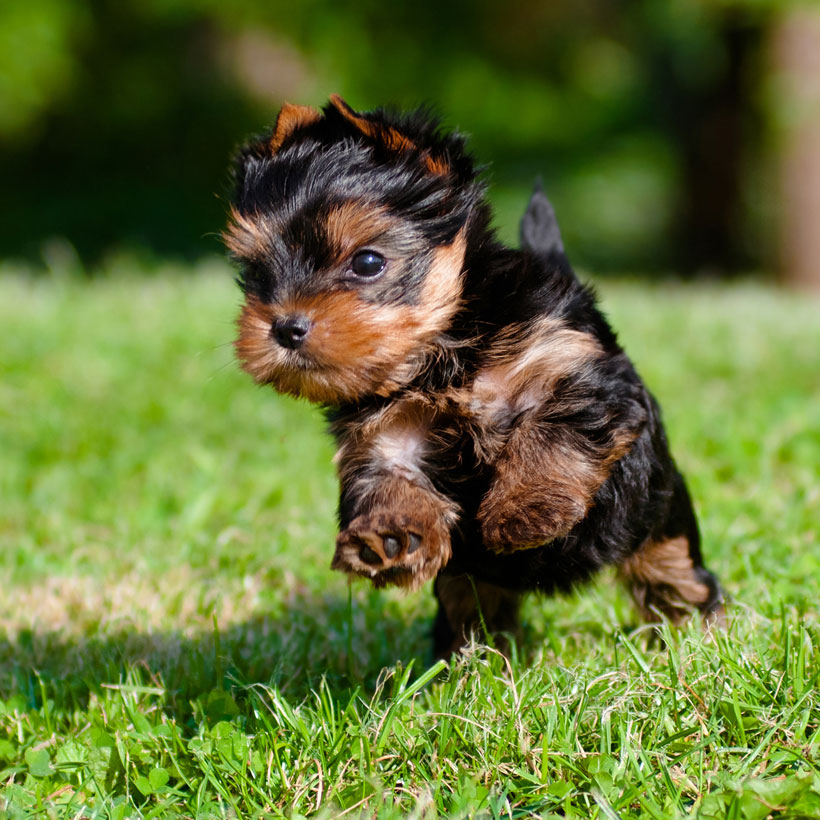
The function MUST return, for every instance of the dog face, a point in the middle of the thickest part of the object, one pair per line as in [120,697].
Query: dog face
[350,233]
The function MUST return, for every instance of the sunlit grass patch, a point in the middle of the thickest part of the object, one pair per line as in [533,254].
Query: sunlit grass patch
[173,643]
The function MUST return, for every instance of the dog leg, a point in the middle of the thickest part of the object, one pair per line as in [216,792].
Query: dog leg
[468,606]
[395,523]
[544,482]
[665,582]
[551,414]
[666,576]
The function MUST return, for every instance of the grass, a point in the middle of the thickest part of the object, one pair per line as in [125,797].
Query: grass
[172,642]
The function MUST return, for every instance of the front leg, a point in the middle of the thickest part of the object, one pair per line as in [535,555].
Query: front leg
[554,411]
[395,524]
[544,482]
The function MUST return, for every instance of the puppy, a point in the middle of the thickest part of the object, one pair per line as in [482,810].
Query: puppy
[492,434]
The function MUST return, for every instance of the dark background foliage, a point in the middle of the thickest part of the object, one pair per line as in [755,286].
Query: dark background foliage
[659,126]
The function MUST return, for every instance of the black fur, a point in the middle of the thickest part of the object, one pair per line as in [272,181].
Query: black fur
[539,227]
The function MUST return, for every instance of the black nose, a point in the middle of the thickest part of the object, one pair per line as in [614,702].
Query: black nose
[291,331]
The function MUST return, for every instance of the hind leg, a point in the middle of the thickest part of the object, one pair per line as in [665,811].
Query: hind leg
[666,575]
[666,582]
[467,606]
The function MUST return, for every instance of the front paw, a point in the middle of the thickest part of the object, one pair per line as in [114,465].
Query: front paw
[526,520]
[392,548]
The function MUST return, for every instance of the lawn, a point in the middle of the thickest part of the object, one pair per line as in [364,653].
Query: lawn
[173,643]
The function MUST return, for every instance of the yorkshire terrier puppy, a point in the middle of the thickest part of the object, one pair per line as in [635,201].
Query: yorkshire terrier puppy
[492,434]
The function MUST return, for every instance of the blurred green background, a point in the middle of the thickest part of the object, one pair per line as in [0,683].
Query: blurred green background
[668,132]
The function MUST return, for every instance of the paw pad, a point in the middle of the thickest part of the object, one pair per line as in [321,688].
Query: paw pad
[384,548]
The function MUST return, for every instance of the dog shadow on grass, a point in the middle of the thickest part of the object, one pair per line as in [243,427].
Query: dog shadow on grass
[308,642]
[294,644]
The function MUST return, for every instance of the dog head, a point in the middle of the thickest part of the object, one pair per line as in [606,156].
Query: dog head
[349,229]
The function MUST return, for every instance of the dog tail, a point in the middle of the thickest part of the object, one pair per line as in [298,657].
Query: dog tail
[539,227]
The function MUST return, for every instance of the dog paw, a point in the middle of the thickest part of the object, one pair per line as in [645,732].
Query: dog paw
[392,549]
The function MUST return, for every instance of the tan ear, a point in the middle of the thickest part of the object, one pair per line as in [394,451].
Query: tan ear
[390,137]
[366,126]
[290,118]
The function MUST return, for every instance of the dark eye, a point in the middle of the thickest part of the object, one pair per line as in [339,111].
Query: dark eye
[367,263]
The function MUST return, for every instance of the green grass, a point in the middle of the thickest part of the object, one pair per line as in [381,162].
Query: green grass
[173,643]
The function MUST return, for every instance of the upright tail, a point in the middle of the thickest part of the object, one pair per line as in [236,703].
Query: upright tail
[539,227]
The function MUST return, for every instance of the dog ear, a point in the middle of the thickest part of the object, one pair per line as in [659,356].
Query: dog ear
[248,158]
[387,135]
[290,118]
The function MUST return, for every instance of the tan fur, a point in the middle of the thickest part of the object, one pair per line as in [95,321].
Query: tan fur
[542,487]
[398,435]
[354,225]
[436,165]
[525,362]
[244,237]
[441,293]
[390,137]
[524,365]
[290,118]
[440,301]
[662,581]
[354,347]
